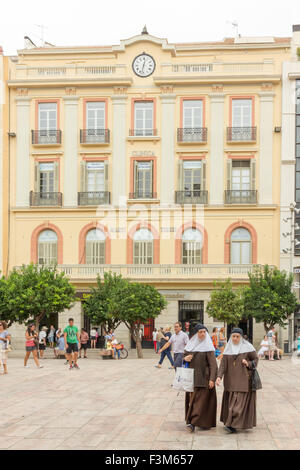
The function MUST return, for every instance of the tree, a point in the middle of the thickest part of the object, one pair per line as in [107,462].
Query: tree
[99,307]
[269,298]
[35,292]
[136,303]
[226,304]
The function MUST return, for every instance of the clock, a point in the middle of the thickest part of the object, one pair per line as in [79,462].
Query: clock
[143,65]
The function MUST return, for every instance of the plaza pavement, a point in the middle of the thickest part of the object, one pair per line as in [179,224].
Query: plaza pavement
[128,404]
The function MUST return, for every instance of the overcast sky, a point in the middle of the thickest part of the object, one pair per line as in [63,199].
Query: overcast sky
[96,22]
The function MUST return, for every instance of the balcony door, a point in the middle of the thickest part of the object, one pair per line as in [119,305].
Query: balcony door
[192,178]
[143,118]
[47,119]
[95,247]
[95,121]
[95,177]
[241,119]
[192,114]
[47,248]
[143,247]
[143,179]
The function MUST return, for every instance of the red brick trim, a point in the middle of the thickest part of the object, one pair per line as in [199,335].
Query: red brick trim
[178,241]
[34,241]
[156,241]
[82,237]
[227,238]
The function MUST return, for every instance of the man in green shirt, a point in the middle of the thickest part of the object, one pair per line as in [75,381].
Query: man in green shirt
[72,342]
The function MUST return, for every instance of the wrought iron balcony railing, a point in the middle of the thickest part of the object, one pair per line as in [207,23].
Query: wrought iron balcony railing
[143,195]
[241,134]
[142,132]
[93,198]
[243,196]
[45,199]
[94,136]
[46,137]
[192,134]
[191,197]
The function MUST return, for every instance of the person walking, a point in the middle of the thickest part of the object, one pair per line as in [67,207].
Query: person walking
[154,336]
[51,336]
[159,337]
[93,338]
[5,339]
[72,342]
[238,409]
[31,344]
[42,341]
[271,343]
[222,341]
[201,404]
[84,337]
[167,352]
[179,340]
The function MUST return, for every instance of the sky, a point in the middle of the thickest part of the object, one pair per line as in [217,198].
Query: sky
[96,22]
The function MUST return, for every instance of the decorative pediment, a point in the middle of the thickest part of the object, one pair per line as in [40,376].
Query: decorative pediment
[145,38]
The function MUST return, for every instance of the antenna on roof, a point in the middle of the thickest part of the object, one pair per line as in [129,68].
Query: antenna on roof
[235,24]
[145,30]
[28,43]
[42,28]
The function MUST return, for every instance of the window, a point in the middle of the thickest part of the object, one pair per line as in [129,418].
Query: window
[95,247]
[242,120]
[143,247]
[297,176]
[192,177]
[240,247]
[47,116]
[143,179]
[94,176]
[46,178]
[192,246]
[143,118]
[47,247]
[240,175]
[95,122]
[241,182]
[192,113]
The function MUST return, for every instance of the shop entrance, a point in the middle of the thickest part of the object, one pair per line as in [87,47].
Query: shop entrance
[191,313]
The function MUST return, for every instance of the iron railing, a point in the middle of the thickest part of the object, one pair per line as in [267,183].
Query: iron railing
[142,132]
[191,197]
[192,134]
[45,199]
[47,137]
[143,195]
[93,198]
[94,136]
[243,196]
[241,134]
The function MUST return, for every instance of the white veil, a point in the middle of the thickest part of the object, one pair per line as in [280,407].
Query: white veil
[196,345]
[242,347]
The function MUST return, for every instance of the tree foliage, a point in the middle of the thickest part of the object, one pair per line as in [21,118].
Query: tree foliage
[226,304]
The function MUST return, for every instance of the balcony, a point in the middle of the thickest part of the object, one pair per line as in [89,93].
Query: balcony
[191,197]
[94,136]
[142,132]
[45,199]
[143,195]
[161,273]
[244,196]
[241,134]
[93,198]
[46,137]
[192,135]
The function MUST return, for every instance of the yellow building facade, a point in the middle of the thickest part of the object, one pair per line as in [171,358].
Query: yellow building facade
[154,160]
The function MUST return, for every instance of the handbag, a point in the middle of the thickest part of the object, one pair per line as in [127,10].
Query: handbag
[184,379]
[255,378]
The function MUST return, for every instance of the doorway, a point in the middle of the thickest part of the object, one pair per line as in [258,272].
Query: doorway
[246,325]
[190,314]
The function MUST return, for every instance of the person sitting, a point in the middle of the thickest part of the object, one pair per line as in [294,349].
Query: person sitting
[60,348]
[264,347]
[114,343]
[109,347]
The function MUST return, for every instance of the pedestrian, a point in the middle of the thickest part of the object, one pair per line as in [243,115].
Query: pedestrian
[5,339]
[154,336]
[84,337]
[277,350]
[179,340]
[215,337]
[72,342]
[51,336]
[60,348]
[271,343]
[264,347]
[238,409]
[116,350]
[167,352]
[159,337]
[222,341]
[31,344]
[201,405]
[42,341]
[93,333]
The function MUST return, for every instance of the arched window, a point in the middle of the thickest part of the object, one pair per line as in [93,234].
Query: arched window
[240,247]
[192,246]
[143,247]
[47,247]
[95,247]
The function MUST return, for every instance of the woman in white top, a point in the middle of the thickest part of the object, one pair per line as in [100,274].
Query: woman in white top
[154,337]
[264,347]
[93,338]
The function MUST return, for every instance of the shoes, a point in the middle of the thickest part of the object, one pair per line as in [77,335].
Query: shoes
[40,366]
[76,366]
[191,427]
[71,367]
[230,430]
[26,367]
[158,367]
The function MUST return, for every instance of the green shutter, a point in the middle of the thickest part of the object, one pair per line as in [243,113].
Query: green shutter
[135,181]
[105,176]
[151,178]
[229,166]
[203,173]
[56,177]
[82,176]
[180,176]
[253,174]
[36,177]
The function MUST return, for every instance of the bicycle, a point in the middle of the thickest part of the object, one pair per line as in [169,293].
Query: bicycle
[123,351]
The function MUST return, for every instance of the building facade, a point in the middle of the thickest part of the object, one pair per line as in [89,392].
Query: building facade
[154,160]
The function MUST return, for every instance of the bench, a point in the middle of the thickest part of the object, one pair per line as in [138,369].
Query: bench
[106,354]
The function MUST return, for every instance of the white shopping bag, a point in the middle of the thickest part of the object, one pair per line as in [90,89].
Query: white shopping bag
[184,379]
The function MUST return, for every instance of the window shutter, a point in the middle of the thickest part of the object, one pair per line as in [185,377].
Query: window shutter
[229,166]
[135,181]
[203,184]
[105,176]
[56,176]
[82,176]
[151,178]
[253,175]
[102,252]
[36,177]
[180,176]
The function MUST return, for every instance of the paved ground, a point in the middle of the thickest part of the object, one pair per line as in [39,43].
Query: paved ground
[128,404]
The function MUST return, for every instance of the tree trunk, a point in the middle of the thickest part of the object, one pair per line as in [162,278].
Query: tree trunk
[136,337]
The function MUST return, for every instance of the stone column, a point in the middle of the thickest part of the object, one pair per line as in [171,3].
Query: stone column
[266,147]
[167,168]
[70,139]
[216,187]
[119,195]
[23,152]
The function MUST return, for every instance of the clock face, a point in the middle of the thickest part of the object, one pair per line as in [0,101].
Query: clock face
[143,65]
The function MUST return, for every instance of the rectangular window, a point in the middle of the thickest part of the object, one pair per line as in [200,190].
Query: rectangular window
[192,176]
[95,176]
[46,178]
[47,116]
[95,115]
[143,118]
[143,252]
[240,175]
[192,114]
[143,180]
[241,113]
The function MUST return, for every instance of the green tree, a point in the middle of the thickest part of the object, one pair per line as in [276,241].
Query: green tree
[35,292]
[269,298]
[226,304]
[99,306]
[136,303]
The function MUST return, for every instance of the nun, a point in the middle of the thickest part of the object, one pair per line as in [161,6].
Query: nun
[238,409]
[201,404]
